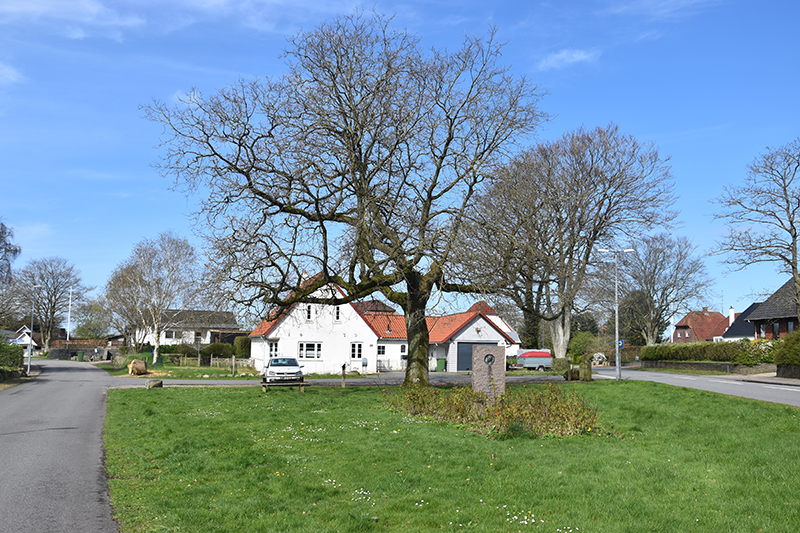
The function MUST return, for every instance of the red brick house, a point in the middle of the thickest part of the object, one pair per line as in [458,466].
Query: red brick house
[777,316]
[700,326]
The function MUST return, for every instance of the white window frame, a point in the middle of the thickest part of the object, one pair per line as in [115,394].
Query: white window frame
[272,347]
[303,350]
[381,350]
[356,350]
[337,313]
[309,312]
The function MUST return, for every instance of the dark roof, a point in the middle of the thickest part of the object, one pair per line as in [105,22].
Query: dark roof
[782,304]
[372,306]
[741,327]
[202,319]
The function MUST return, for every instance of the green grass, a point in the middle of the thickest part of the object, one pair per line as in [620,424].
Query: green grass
[332,459]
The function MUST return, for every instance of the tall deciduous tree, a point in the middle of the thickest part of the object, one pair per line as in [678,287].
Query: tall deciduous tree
[540,220]
[357,165]
[53,283]
[763,215]
[92,319]
[157,280]
[666,277]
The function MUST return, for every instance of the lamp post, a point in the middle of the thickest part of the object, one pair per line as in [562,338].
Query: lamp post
[616,302]
[30,344]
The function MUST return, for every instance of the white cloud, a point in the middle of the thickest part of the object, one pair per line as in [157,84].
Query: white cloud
[567,57]
[9,75]
[658,9]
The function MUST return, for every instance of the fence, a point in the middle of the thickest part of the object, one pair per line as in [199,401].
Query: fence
[216,361]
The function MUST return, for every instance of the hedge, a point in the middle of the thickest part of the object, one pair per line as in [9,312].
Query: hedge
[743,352]
[788,353]
[11,356]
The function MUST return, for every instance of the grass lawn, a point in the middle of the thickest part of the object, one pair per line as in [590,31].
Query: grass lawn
[332,459]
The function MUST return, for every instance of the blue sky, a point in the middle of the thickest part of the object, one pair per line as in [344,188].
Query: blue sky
[712,83]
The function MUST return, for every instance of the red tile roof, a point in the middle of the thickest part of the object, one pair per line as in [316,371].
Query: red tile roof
[704,325]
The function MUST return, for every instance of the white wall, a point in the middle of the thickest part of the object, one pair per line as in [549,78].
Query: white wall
[336,337]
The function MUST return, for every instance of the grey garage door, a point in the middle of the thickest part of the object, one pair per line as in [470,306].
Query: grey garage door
[465,354]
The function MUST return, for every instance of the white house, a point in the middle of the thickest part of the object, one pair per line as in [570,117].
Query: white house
[370,336]
[191,327]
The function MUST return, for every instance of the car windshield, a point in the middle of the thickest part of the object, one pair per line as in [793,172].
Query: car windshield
[284,362]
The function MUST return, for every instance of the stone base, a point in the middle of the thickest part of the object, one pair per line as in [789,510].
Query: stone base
[788,371]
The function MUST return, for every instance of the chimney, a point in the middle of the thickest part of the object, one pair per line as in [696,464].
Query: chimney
[731,316]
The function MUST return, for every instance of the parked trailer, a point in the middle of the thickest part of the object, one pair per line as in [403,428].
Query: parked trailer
[535,359]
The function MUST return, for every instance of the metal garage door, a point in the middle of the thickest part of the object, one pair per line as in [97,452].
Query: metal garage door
[464,362]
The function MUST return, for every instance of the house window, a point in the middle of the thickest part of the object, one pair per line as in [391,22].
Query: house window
[310,350]
[308,312]
[337,313]
[776,330]
[273,348]
[762,331]
[381,350]
[169,334]
[679,334]
[402,348]
[355,350]
[790,326]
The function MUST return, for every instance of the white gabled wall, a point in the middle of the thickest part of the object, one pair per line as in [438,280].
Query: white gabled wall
[335,336]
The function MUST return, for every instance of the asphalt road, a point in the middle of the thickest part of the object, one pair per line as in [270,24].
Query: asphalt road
[759,387]
[52,477]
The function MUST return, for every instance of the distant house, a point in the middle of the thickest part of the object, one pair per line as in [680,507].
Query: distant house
[22,337]
[700,326]
[777,316]
[192,327]
[371,336]
[740,328]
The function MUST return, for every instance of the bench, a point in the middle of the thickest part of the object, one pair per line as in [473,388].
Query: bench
[265,384]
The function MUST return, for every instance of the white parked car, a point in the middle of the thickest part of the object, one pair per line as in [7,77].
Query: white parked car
[283,369]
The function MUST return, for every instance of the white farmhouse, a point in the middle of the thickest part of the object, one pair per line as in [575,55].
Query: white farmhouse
[370,337]
[193,327]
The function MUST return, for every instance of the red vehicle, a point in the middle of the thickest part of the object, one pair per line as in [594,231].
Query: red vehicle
[541,360]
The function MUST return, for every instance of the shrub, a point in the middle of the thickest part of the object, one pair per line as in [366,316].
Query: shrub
[526,412]
[743,353]
[241,346]
[11,356]
[219,349]
[788,351]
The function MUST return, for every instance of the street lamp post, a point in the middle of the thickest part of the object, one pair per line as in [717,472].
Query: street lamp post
[616,303]
[30,344]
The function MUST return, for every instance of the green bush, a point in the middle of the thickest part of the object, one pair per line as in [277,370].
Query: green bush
[241,346]
[11,356]
[579,344]
[743,353]
[552,411]
[218,349]
[560,364]
[788,352]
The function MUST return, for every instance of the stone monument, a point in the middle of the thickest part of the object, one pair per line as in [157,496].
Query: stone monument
[489,370]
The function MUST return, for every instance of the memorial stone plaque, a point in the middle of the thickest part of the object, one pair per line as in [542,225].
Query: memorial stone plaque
[489,370]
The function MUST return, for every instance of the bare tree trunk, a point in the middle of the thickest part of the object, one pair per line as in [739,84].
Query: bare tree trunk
[559,328]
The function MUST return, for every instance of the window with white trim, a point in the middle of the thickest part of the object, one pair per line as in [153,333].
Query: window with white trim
[355,350]
[273,348]
[381,350]
[402,348]
[309,350]
[309,313]
[337,313]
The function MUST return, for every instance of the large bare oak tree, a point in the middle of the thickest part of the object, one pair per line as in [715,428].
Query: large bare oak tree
[355,167]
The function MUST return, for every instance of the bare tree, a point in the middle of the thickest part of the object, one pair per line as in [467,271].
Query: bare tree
[157,281]
[357,165]
[542,216]
[667,276]
[52,283]
[8,252]
[122,301]
[763,215]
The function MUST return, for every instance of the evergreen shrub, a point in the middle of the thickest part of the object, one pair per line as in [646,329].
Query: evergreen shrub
[788,352]
[241,346]
[11,356]
[218,349]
